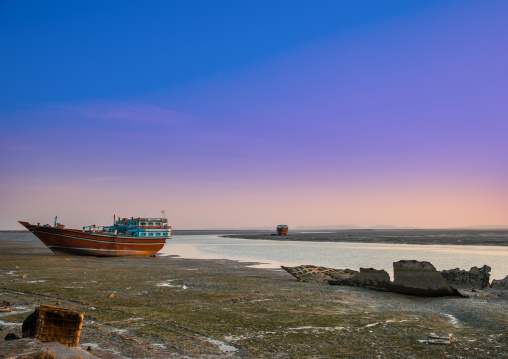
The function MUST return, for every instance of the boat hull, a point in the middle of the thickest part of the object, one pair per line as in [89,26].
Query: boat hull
[71,241]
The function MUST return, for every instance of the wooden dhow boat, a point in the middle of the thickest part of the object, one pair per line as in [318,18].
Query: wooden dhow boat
[127,237]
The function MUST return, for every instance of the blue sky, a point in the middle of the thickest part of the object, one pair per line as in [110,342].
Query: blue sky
[212,110]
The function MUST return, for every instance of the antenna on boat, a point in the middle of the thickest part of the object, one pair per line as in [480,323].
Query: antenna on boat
[164,213]
[114,219]
[55,221]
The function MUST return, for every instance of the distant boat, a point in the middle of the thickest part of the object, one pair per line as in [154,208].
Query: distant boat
[282,230]
[127,237]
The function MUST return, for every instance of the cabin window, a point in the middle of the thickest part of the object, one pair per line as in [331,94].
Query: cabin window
[150,234]
[158,234]
[150,223]
[142,234]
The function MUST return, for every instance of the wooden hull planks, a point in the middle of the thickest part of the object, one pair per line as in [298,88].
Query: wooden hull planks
[75,242]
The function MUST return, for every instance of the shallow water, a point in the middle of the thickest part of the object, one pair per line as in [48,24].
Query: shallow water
[273,254]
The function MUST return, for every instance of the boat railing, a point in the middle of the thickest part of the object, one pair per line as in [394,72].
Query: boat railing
[99,229]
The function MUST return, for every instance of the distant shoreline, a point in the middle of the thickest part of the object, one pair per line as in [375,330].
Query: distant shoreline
[422,236]
[317,229]
[467,237]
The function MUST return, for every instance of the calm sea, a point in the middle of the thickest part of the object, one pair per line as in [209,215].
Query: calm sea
[272,254]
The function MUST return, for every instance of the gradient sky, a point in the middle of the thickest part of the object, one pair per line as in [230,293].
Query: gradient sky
[247,114]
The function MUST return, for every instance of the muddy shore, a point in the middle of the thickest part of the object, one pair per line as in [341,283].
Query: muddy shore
[169,307]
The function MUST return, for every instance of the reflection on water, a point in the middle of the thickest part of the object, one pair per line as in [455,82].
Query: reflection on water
[336,254]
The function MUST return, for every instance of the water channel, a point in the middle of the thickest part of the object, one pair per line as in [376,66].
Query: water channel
[273,253]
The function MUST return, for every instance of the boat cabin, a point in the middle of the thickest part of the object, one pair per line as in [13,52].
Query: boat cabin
[136,227]
[144,227]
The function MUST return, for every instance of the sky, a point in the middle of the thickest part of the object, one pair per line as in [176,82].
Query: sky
[238,114]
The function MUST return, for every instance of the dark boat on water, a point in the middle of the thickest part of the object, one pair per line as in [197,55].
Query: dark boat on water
[127,237]
[282,230]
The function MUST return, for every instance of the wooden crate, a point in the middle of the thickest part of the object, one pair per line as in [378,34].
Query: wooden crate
[58,325]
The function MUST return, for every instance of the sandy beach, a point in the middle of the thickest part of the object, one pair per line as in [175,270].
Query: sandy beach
[169,307]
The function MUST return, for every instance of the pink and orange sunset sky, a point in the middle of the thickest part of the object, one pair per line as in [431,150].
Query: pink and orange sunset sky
[238,114]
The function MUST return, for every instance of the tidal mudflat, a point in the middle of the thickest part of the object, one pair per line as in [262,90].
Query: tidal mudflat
[167,307]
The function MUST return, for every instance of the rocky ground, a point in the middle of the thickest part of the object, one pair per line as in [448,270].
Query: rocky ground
[172,307]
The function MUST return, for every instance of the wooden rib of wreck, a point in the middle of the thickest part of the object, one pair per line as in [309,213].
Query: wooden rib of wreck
[127,237]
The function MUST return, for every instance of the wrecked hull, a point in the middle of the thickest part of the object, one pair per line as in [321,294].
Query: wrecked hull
[75,242]
[410,278]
